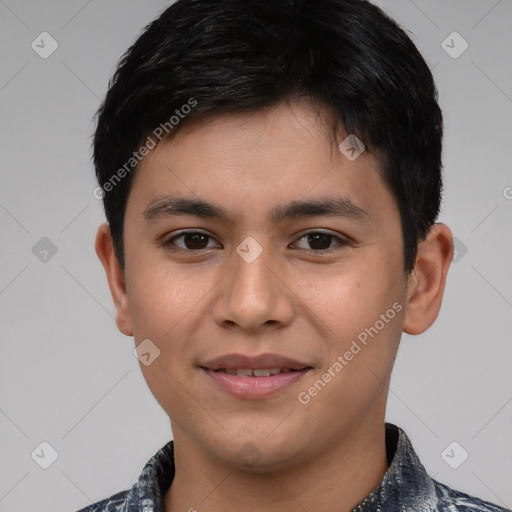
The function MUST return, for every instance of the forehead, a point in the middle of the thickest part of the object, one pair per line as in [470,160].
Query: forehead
[268,157]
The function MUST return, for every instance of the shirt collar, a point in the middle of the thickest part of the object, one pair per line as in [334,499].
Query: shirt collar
[405,485]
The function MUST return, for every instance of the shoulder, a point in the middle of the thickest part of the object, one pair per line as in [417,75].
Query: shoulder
[451,500]
[116,503]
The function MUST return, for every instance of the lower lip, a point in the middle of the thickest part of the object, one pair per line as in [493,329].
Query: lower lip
[254,388]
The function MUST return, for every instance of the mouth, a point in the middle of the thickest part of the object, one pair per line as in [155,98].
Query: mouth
[252,378]
[253,372]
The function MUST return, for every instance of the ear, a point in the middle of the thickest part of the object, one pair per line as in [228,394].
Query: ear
[426,283]
[116,280]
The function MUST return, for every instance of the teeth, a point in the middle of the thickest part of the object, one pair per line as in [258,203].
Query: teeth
[244,373]
[248,372]
[261,373]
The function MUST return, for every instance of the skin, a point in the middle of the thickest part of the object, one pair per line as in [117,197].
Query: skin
[330,453]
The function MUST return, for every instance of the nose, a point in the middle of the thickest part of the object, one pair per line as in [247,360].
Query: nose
[254,296]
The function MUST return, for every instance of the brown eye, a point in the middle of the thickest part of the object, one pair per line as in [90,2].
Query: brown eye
[189,241]
[318,241]
[195,240]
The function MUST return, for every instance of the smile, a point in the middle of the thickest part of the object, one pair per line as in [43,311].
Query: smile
[254,384]
[255,372]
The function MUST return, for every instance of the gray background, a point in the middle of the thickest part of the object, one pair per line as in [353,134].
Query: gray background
[68,377]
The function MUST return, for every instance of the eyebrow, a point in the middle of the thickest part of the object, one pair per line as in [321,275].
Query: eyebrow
[166,206]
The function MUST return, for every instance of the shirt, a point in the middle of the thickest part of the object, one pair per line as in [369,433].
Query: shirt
[406,486]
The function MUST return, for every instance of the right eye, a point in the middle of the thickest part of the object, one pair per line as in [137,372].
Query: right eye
[191,241]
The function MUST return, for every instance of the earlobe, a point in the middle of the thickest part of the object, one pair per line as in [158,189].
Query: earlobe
[116,280]
[427,281]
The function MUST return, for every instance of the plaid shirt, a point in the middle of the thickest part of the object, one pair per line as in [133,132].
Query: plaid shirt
[406,486]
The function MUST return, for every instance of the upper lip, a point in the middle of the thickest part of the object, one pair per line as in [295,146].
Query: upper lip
[259,362]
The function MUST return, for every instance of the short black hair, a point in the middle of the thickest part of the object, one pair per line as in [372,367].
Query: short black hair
[204,58]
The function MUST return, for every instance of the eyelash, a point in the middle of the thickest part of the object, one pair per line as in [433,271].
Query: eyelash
[169,243]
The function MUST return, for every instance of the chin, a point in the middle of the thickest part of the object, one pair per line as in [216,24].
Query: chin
[260,455]
[266,463]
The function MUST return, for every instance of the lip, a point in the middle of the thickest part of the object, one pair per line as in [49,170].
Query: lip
[259,362]
[253,388]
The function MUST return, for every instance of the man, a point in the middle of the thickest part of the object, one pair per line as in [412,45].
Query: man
[271,177]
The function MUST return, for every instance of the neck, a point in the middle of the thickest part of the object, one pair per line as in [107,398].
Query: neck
[337,478]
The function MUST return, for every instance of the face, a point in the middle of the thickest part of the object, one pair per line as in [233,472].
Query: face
[253,243]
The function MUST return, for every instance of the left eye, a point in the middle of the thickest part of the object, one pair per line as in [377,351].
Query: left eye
[319,241]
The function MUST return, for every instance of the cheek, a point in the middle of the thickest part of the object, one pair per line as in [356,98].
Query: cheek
[161,299]
[360,311]
[347,299]
[172,391]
